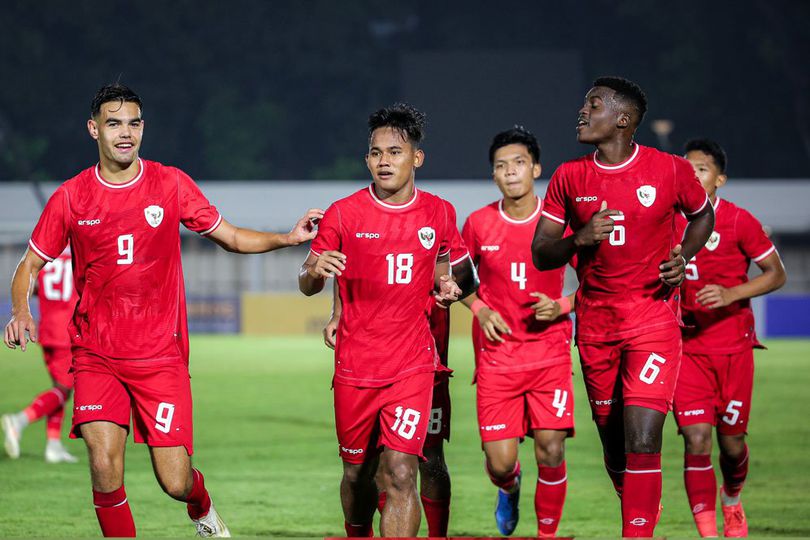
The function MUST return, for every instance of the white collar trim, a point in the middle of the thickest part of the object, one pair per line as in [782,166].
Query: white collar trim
[141,167]
[510,219]
[392,206]
[618,166]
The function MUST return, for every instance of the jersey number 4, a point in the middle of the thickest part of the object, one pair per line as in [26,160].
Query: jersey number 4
[519,274]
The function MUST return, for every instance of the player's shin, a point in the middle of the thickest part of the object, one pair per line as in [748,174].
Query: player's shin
[641,496]
[701,486]
[114,515]
[437,515]
[735,471]
[552,484]
[198,501]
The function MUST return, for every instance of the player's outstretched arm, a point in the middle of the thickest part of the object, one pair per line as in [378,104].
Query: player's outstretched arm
[238,240]
[697,232]
[466,277]
[22,284]
[317,268]
[773,276]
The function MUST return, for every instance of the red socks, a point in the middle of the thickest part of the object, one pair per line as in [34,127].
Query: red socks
[45,404]
[734,473]
[508,482]
[641,496]
[437,515]
[616,474]
[53,426]
[114,515]
[381,501]
[552,483]
[199,503]
[701,486]
[362,531]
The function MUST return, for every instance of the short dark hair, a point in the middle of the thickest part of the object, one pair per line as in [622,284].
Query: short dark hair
[516,135]
[401,117]
[710,147]
[627,91]
[113,92]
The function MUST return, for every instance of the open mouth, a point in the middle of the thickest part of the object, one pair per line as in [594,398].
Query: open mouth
[581,123]
[385,174]
[124,147]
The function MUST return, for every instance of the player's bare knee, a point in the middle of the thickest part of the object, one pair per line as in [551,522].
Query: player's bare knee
[698,442]
[732,446]
[500,468]
[175,486]
[354,474]
[549,453]
[645,442]
[400,477]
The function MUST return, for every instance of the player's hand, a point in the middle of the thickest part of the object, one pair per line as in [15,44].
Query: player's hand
[16,329]
[492,324]
[304,229]
[598,228]
[672,271]
[330,332]
[449,290]
[546,309]
[715,296]
[329,264]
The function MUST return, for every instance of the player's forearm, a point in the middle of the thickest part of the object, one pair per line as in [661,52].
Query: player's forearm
[309,284]
[337,306]
[697,233]
[548,253]
[22,285]
[466,277]
[770,280]
[469,300]
[250,241]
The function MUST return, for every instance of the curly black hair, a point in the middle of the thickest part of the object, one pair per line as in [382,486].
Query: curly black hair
[515,135]
[403,118]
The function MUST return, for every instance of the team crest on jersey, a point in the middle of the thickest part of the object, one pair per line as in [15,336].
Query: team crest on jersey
[646,195]
[427,236]
[154,215]
[713,241]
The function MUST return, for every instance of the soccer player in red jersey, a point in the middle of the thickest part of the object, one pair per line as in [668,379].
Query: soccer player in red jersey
[434,476]
[717,373]
[129,333]
[383,243]
[57,299]
[521,337]
[621,203]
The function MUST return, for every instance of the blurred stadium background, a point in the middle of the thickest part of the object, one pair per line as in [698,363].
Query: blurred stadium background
[265,103]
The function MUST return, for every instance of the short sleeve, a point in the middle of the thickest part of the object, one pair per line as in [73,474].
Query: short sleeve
[50,236]
[468,235]
[690,195]
[328,237]
[196,213]
[753,240]
[554,204]
[452,243]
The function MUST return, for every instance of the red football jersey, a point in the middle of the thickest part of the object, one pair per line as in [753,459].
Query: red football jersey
[500,246]
[57,300]
[620,294]
[737,240]
[125,240]
[391,253]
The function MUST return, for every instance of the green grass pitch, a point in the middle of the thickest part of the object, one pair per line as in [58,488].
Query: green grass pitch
[266,443]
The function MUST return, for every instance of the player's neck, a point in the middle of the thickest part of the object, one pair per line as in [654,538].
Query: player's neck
[401,196]
[614,151]
[522,207]
[115,173]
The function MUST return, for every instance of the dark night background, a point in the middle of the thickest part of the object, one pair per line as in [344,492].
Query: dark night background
[282,89]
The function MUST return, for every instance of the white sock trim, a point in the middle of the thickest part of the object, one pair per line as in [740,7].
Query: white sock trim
[540,480]
[642,471]
[698,468]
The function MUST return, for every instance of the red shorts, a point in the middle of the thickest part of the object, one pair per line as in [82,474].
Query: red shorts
[715,389]
[510,405]
[394,416]
[639,370]
[439,424]
[155,393]
[58,361]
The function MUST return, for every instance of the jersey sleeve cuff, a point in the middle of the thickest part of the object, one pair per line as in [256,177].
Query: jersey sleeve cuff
[213,227]
[702,206]
[764,255]
[317,254]
[44,256]
[552,217]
